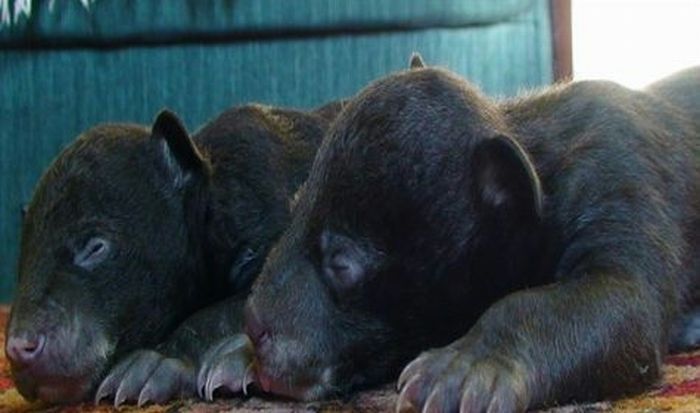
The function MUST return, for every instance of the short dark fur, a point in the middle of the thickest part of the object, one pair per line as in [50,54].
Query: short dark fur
[187,222]
[547,242]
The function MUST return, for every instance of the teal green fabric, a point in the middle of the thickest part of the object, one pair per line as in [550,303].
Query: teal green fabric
[175,19]
[49,96]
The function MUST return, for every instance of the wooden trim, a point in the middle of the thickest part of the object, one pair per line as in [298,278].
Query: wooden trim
[560,12]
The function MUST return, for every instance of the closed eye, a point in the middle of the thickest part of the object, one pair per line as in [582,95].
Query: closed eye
[343,270]
[338,264]
[95,251]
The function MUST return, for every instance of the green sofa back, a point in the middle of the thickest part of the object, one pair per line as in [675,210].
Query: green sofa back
[51,91]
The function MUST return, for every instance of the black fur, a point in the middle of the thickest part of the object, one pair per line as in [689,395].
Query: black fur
[543,247]
[184,223]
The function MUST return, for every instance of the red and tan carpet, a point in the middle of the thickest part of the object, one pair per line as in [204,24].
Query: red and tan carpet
[679,391]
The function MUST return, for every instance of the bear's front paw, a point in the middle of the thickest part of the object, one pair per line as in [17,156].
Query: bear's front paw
[147,376]
[458,380]
[227,365]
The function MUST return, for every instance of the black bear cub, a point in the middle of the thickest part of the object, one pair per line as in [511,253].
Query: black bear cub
[536,251]
[131,230]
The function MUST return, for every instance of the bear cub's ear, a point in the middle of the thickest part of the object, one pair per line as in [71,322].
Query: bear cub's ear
[416,61]
[180,155]
[505,180]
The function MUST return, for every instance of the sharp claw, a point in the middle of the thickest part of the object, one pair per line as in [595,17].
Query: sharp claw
[200,386]
[214,387]
[119,400]
[203,381]
[464,402]
[408,372]
[144,398]
[101,393]
[211,378]
[209,391]
[119,397]
[470,400]
[431,399]
[247,379]
[403,403]
[206,388]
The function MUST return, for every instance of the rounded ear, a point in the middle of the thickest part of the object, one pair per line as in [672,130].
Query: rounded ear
[180,155]
[416,61]
[505,180]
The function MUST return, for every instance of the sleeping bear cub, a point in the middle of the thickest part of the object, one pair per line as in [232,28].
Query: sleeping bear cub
[132,230]
[522,253]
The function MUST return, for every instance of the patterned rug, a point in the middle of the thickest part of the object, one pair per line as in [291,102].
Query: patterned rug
[679,391]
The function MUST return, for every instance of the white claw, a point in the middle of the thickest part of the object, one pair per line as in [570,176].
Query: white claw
[246,379]
[213,383]
[101,394]
[144,398]
[120,397]
[201,383]
[408,372]
[208,393]
[403,402]
[433,394]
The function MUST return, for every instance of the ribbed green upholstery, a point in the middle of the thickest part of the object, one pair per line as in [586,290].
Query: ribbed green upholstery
[48,96]
[160,20]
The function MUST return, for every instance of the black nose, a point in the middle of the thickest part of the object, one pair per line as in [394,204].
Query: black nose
[254,327]
[24,349]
